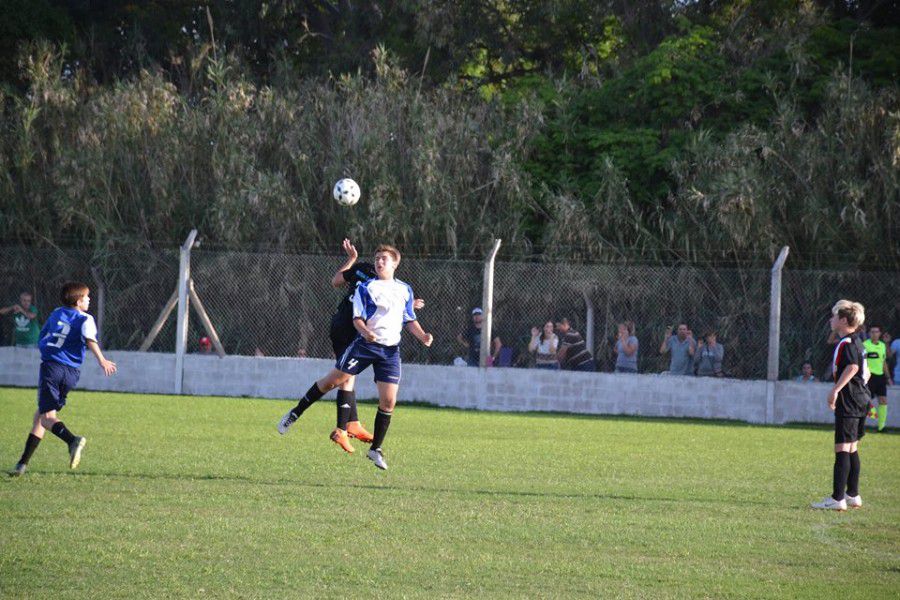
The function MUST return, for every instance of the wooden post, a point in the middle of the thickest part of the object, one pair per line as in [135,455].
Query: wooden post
[157,327]
[204,318]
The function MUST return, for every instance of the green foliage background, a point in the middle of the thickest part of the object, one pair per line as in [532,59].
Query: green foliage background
[660,131]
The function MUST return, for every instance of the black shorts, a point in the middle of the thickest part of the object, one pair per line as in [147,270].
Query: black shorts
[849,429]
[878,385]
[341,337]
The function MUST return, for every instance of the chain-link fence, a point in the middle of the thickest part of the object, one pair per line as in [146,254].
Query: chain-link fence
[281,305]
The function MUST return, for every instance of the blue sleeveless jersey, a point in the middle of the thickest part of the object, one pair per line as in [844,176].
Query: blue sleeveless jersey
[64,335]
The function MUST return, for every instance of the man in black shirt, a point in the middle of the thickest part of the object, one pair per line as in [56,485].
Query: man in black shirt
[573,352]
[849,399]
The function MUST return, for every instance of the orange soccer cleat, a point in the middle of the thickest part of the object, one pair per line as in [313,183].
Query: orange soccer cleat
[339,437]
[356,430]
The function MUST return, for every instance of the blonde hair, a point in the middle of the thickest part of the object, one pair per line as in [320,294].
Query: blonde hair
[853,312]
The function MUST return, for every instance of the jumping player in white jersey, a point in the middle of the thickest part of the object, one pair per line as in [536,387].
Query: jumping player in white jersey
[381,308]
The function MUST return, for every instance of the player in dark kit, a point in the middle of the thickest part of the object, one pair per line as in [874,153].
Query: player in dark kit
[849,399]
[68,331]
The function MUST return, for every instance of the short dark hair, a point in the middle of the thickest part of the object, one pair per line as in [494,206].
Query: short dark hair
[390,250]
[72,292]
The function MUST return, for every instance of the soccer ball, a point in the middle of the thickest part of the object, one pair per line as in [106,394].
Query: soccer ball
[346,192]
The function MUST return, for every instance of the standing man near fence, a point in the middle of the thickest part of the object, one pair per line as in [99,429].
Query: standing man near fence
[573,353]
[25,316]
[682,348]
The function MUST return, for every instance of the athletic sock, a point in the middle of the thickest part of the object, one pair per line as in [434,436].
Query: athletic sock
[344,408]
[882,416]
[853,476]
[311,395]
[841,472]
[60,431]
[351,399]
[31,445]
[382,422]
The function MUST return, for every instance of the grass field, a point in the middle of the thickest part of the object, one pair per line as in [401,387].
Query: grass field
[199,497]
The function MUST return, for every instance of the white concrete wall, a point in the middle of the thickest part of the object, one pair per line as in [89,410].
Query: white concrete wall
[462,387]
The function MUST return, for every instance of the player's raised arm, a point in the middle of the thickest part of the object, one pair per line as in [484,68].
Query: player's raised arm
[338,279]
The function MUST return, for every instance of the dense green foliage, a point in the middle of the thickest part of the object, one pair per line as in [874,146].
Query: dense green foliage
[713,130]
[197,497]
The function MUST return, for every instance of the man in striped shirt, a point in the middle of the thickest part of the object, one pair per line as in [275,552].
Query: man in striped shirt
[573,353]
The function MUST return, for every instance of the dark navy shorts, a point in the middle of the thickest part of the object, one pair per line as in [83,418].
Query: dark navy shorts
[385,360]
[849,429]
[55,382]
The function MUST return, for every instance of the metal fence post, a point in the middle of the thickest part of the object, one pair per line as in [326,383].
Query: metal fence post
[589,323]
[774,333]
[487,305]
[181,325]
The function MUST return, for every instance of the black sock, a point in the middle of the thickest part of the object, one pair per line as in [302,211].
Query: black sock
[31,445]
[382,422]
[351,398]
[841,472]
[312,394]
[853,477]
[345,402]
[60,431]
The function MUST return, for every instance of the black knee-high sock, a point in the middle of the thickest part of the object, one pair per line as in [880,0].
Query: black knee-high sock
[60,431]
[841,472]
[853,477]
[31,445]
[382,422]
[344,408]
[311,395]
[351,398]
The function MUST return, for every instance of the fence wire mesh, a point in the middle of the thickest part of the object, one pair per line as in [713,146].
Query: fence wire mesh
[281,305]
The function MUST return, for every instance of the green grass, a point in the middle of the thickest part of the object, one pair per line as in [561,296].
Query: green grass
[199,497]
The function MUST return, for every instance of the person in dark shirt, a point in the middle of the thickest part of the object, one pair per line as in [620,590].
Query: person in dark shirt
[573,353]
[849,399]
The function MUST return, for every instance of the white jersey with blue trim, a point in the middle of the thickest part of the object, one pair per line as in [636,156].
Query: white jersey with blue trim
[385,305]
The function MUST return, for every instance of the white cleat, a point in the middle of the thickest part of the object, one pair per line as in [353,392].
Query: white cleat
[830,503]
[286,421]
[75,449]
[377,457]
[853,501]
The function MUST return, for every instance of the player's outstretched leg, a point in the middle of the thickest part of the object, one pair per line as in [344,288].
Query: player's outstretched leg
[34,438]
[352,425]
[315,391]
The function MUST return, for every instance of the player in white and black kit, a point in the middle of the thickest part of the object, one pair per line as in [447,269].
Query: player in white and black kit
[382,307]
[849,399]
[342,333]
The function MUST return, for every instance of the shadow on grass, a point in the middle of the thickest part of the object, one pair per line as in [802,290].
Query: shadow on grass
[414,488]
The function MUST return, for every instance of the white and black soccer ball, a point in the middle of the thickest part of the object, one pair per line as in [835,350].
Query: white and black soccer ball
[346,192]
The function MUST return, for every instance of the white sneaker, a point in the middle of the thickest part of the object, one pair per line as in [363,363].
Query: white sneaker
[830,503]
[377,457]
[286,421]
[854,501]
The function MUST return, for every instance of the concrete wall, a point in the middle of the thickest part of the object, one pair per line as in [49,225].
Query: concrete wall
[462,387]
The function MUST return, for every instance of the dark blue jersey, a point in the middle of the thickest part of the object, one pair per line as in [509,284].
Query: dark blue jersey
[65,334]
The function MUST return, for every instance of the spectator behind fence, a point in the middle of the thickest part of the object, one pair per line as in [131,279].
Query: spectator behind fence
[682,347]
[205,345]
[893,355]
[472,339]
[544,345]
[708,357]
[626,348]
[573,354]
[806,373]
[25,315]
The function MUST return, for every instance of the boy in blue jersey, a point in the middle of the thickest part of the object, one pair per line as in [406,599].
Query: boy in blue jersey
[382,307]
[68,330]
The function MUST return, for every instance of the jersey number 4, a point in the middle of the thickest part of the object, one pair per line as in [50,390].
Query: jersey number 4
[60,335]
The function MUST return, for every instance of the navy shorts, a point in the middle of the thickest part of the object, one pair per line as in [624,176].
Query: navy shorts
[385,360]
[55,382]
[878,385]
